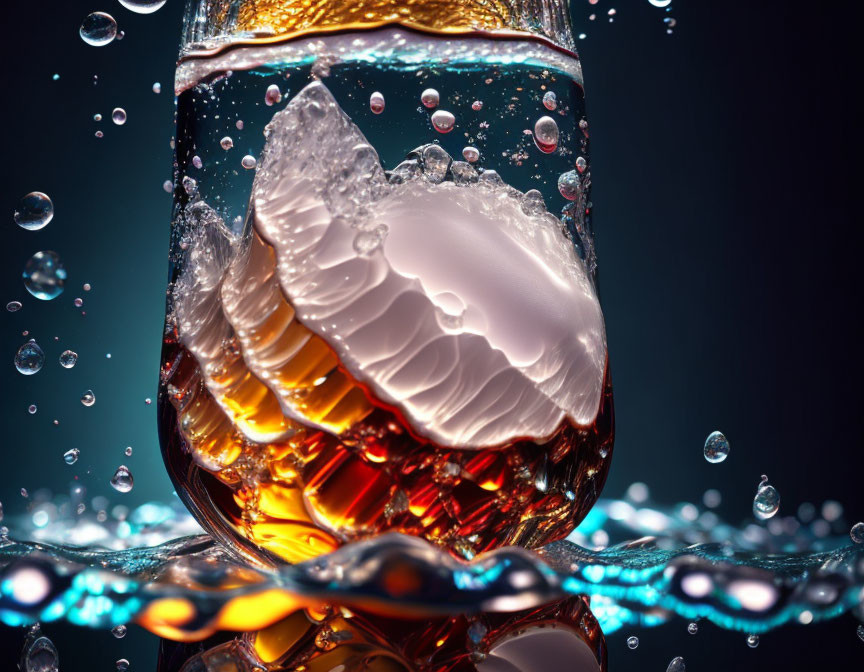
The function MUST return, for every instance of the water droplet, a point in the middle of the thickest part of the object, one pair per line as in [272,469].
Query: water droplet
[99,134]
[24,493]
[546,134]
[29,359]
[71,456]
[122,481]
[632,643]
[239,124]
[119,631]
[98,29]
[197,162]
[97,117]
[144,6]
[477,105]
[88,398]
[35,211]
[430,98]
[581,164]
[128,451]
[471,154]
[676,665]
[31,409]
[168,186]
[660,3]
[752,641]
[68,359]
[693,628]
[40,654]
[716,447]
[13,306]
[857,533]
[122,665]
[443,121]
[767,500]
[44,275]
[157,87]
[148,401]
[226,143]
[248,162]
[550,100]
[118,116]
[570,185]
[273,95]
[376,102]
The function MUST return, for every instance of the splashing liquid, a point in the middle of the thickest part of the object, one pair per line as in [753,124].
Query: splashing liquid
[312,399]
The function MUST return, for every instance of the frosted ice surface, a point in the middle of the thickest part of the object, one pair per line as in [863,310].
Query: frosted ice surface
[472,314]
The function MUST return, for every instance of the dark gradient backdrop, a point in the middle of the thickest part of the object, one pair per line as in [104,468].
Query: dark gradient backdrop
[727,211]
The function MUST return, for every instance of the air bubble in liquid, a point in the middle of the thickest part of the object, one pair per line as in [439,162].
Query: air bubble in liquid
[98,29]
[443,121]
[68,359]
[716,447]
[118,116]
[122,480]
[44,275]
[546,135]
[30,358]
[376,102]
[430,98]
[35,211]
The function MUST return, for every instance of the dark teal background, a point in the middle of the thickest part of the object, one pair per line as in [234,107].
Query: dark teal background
[724,161]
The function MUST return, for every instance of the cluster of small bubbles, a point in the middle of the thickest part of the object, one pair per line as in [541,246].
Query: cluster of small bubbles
[13,306]
[767,500]
[122,665]
[118,116]
[550,100]
[71,456]
[676,665]
[376,102]
[119,631]
[693,628]
[122,480]
[68,359]
[35,212]
[546,134]
[143,6]
[226,143]
[430,98]
[128,451]
[197,162]
[248,162]
[32,408]
[569,185]
[857,533]
[752,641]
[190,185]
[157,87]
[98,29]
[29,359]
[88,398]
[273,95]
[443,121]
[477,105]
[633,643]
[471,154]
[44,275]
[168,186]
[716,448]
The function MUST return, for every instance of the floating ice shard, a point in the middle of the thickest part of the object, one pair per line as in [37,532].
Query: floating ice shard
[473,317]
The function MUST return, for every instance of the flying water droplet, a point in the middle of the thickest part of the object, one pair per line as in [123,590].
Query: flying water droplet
[35,212]
[716,447]
[767,500]
[68,359]
[376,102]
[119,631]
[676,665]
[857,533]
[157,87]
[443,121]
[546,135]
[13,306]
[118,116]
[128,451]
[752,641]
[88,398]
[550,100]
[693,628]
[168,186]
[143,6]
[471,154]
[29,359]
[31,409]
[122,665]
[273,95]
[197,162]
[226,143]
[71,456]
[98,29]
[430,98]
[569,185]
[248,162]
[632,643]
[122,480]
[78,302]
[44,275]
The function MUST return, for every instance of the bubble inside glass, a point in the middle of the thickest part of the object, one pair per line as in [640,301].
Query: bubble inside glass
[382,313]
